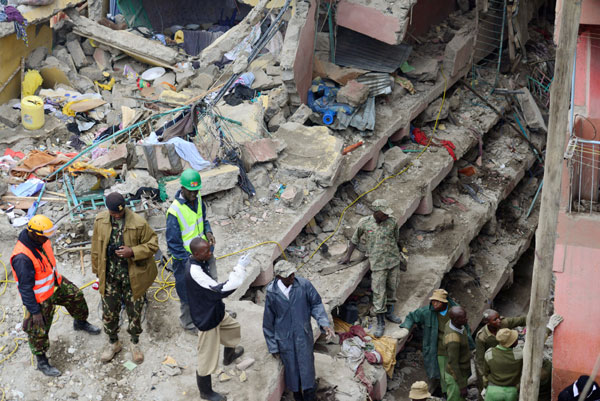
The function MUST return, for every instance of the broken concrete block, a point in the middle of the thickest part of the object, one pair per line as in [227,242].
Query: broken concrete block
[395,160]
[218,179]
[102,59]
[276,121]
[87,47]
[202,80]
[63,55]
[260,151]
[9,116]
[322,41]
[80,82]
[438,220]
[425,69]
[92,72]
[353,93]
[250,115]
[117,156]
[134,179]
[77,53]
[84,183]
[228,204]
[167,160]
[277,99]
[431,112]
[139,159]
[245,364]
[311,152]
[273,70]
[262,81]
[301,115]
[457,54]
[184,78]
[531,111]
[292,196]
[36,57]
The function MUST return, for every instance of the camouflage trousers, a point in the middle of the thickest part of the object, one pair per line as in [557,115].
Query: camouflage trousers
[66,294]
[384,284]
[117,292]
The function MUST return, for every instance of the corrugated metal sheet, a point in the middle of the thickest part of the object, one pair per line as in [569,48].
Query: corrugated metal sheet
[356,50]
[379,83]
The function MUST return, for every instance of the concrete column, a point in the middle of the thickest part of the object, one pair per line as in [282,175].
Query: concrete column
[371,164]
[464,258]
[401,133]
[379,387]
[264,277]
[426,205]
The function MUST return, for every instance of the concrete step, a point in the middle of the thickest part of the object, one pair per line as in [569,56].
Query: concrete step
[283,225]
[432,255]
[496,256]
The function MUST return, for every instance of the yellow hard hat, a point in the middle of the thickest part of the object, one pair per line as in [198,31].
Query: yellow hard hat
[41,225]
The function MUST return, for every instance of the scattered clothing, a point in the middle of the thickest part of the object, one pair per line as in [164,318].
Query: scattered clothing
[27,188]
[10,13]
[239,94]
[573,391]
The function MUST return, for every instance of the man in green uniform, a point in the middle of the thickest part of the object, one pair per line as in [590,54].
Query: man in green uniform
[502,366]
[419,392]
[458,365]
[123,248]
[486,336]
[432,318]
[382,234]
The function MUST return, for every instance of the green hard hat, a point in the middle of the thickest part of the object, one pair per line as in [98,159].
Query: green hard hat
[190,179]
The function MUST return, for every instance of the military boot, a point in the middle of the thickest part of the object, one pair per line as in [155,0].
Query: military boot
[389,315]
[86,326]
[231,354]
[309,394]
[380,325]
[110,351]
[44,366]
[298,396]
[206,392]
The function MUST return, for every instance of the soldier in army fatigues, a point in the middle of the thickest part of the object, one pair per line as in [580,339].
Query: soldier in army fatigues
[123,248]
[382,235]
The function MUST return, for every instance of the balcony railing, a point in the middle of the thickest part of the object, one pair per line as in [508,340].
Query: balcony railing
[583,162]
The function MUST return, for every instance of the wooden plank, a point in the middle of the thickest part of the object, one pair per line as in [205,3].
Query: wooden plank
[123,40]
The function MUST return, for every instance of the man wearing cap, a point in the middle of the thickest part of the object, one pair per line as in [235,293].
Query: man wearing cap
[42,288]
[502,367]
[432,319]
[215,326]
[186,220]
[486,336]
[457,341]
[419,391]
[290,302]
[123,248]
[382,234]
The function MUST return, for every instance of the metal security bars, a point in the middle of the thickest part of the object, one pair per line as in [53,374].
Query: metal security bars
[491,22]
[583,162]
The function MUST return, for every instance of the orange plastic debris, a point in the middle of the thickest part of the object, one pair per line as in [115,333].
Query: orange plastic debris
[350,148]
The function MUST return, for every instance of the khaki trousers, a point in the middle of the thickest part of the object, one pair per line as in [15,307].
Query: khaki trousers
[227,333]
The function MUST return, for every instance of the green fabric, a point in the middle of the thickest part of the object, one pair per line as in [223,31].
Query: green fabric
[381,241]
[459,355]
[501,393]
[503,366]
[134,13]
[441,359]
[485,340]
[452,388]
[426,318]
[384,284]
[442,320]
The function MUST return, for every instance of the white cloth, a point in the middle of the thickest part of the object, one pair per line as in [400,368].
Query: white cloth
[453,327]
[284,289]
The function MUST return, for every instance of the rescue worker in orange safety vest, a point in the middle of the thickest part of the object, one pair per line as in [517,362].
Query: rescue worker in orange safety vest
[42,288]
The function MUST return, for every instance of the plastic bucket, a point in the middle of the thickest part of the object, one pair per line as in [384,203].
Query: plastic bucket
[32,112]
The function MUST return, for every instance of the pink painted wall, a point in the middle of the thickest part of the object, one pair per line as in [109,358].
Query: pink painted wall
[577,270]
[368,21]
[303,65]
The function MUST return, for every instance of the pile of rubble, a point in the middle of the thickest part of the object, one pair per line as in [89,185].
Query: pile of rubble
[293,146]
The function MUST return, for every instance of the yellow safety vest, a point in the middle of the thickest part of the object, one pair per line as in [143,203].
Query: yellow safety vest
[191,223]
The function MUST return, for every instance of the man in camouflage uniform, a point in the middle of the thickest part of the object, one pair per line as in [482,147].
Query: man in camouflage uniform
[382,234]
[42,288]
[419,392]
[123,248]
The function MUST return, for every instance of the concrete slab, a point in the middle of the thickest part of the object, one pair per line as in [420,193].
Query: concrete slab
[218,179]
[432,256]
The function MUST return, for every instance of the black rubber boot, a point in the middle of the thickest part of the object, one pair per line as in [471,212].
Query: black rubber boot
[389,315]
[206,391]
[310,394]
[380,325]
[298,396]
[231,354]
[86,326]
[44,366]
